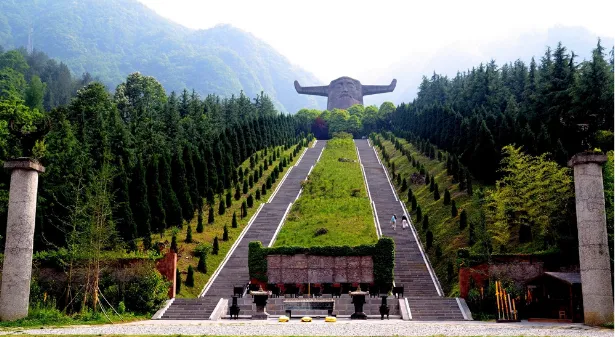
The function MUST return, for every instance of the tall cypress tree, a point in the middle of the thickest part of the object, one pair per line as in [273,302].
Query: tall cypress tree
[210,216]
[191,180]
[221,209]
[234,222]
[425,221]
[199,225]
[122,213]
[229,200]
[180,186]
[171,204]
[140,204]
[154,196]
[463,220]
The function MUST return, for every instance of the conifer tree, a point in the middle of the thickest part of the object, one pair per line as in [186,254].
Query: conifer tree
[191,180]
[210,216]
[210,197]
[453,209]
[425,221]
[229,201]
[410,195]
[202,266]
[404,185]
[190,277]
[140,206]
[199,225]
[240,173]
[174,243]
[413,203]
[463,220]
[250,181]
[245,187]
[264,189]
[221,208]
[244,209]
[237,193]
[225,234]
[123,216]
[432,185]
[155,198]
[189,234]
[419,213]
[171,203]
[427,181]
[234,223]
[436,193]
[429,237]
[179,183]
[258,194]
[447,197]
[250,201]
[215,247]
[399,179]
[178,281]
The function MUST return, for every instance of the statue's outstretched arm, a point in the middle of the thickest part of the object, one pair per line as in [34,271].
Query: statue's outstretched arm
[317,91]
[379,89]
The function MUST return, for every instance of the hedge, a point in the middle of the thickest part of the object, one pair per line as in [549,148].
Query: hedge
[382,253]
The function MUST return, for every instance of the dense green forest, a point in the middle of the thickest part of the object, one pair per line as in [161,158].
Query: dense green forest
[174,149]
[554,105]
[114,38]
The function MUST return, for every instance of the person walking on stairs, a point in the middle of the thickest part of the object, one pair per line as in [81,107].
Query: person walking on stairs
[394,222]
[404,222]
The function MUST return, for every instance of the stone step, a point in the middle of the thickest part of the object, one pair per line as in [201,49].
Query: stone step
[235,272]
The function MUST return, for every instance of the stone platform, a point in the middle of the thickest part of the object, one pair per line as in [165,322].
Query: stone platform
[342,307]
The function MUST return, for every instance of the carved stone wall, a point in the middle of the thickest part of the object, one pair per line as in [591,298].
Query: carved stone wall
[301,268]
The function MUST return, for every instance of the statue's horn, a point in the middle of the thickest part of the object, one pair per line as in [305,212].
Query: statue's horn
[317,91]
[379,89]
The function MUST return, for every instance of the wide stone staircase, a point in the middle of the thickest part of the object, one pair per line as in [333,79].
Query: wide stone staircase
[262,228]
[412,268]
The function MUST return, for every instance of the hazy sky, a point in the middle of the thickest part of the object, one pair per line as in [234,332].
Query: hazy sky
[332,38]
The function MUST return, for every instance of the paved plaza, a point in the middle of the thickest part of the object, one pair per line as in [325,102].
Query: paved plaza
[344,327]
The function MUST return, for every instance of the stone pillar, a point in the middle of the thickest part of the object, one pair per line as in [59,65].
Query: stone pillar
[17,268]
[593,242]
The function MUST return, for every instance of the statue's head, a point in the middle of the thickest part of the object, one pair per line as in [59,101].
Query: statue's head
[346,91]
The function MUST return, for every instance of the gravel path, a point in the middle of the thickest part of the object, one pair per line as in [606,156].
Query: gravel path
[320,328]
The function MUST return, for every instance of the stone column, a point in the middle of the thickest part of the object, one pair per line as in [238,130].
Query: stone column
[17,268]
[593,242]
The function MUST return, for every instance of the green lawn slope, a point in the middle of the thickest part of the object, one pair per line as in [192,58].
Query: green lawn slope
[334,209]
[447,236]
[186,254]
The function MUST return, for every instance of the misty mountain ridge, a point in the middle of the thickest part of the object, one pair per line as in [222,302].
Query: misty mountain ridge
[113,38]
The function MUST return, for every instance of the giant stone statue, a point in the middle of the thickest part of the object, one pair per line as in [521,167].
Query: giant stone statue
[345,92]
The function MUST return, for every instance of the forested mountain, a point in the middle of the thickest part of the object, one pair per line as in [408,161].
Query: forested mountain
[113,38]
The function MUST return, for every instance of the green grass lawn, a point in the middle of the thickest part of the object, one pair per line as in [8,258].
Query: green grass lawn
[186,254]
[448,238]
[334,199]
